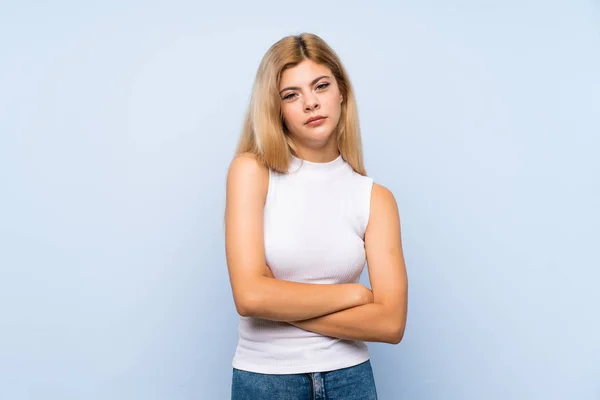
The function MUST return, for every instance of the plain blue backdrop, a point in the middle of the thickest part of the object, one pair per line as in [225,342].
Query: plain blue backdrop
[118,121]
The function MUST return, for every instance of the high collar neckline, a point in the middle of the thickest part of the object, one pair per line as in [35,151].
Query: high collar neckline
[315,166]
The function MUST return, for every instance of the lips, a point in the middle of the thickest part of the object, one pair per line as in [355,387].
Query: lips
[315,118]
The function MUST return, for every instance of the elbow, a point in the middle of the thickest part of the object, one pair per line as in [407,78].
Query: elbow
[246,305]
[243,310]
[395,337]
[395,333]
[247,298]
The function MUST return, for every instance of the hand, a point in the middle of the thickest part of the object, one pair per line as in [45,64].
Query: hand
[366,295]
[268,272]
[363,294]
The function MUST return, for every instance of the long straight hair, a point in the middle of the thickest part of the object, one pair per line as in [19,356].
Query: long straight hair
[263,133]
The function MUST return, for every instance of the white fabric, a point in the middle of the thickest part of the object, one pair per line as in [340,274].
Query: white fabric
[314,226]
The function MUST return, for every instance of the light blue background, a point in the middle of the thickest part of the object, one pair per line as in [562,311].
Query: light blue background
[118,122]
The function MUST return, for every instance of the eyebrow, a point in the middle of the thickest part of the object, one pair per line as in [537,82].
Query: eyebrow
[312,83]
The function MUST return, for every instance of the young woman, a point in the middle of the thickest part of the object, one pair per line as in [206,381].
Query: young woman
[302,218]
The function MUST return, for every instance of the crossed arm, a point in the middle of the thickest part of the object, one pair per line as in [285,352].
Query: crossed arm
[384,319]
[346,311]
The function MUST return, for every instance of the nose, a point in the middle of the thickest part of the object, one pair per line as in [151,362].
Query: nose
[311,103]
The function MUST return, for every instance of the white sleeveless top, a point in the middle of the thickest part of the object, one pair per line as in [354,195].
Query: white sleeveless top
[314,224]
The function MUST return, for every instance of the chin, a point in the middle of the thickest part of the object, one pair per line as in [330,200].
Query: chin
[318,138]
[314,137]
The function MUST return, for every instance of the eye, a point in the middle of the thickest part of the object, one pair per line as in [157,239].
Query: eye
[322,86]
[289,96]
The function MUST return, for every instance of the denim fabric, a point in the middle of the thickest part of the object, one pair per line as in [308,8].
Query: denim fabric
[352,383]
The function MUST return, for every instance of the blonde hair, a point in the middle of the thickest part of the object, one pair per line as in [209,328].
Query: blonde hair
[263,133]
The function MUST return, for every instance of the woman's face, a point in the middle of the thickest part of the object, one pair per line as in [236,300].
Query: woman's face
[310,90]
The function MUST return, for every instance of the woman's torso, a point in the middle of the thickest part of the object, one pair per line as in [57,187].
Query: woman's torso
[314,224]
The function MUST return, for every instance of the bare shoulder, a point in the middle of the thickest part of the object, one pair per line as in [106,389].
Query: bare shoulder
[382,197]
[247,164]
[247,174]
[383,205]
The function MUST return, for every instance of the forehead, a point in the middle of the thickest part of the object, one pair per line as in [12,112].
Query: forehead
[303,73]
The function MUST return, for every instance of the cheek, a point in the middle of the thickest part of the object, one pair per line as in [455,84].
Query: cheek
[332,101]
[292,116]
[334,108]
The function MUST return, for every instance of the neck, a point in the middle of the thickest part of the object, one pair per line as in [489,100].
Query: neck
[325,154]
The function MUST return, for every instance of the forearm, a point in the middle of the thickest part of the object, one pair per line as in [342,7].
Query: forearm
[280,300]
[370,322]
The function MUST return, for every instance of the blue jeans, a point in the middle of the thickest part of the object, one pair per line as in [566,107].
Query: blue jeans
[352,383]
